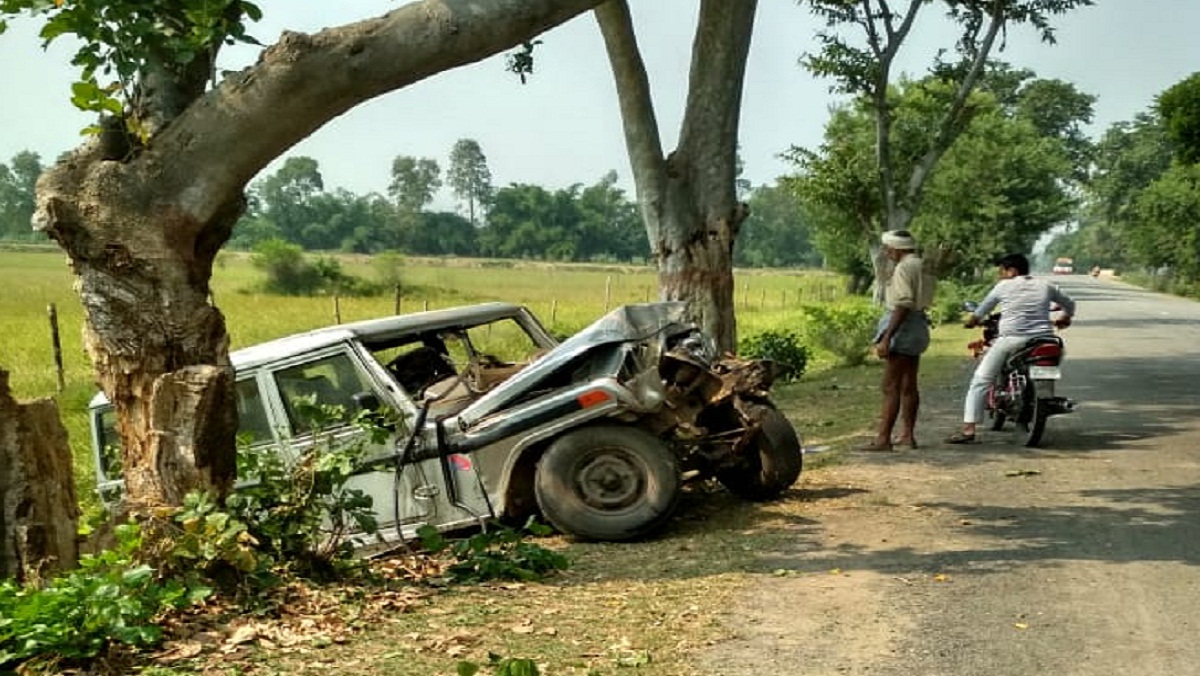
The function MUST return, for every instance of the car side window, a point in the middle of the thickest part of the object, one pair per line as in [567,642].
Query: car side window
[253,425]
[321,393]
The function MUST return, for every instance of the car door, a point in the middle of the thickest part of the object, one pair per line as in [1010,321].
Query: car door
[423,491]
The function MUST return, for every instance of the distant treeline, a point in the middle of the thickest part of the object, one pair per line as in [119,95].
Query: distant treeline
[595,223]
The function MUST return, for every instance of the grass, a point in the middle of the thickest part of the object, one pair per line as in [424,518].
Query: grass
[646,606]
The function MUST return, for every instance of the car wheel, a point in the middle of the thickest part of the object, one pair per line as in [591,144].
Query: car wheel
[773,460]
[607,483]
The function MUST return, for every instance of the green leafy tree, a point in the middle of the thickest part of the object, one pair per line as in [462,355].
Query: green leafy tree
[776,233]
[287,196]
[414,182]
[143,208]
[1179,107]
[528,221]
[17,182]
[862,68]
[442,233]
[1007,184]
[1058,110]
[610,227]
[470,178]
[1164,218]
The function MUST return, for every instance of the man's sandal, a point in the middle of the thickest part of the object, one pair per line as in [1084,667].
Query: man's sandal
[960,438]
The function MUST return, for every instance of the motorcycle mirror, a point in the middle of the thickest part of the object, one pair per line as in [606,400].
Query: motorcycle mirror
[970,305]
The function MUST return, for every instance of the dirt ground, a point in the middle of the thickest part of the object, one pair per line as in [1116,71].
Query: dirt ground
[1077,558]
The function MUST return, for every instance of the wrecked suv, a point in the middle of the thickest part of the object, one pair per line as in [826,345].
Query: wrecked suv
[494,418]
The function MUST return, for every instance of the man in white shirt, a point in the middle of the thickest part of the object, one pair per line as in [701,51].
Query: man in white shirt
[1025,303]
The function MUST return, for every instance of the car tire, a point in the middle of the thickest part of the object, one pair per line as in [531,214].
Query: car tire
[608,483]
[773,460]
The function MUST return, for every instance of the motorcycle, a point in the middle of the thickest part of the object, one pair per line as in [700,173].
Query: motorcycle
[1024,390]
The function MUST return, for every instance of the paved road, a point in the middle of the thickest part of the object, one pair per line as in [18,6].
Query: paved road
[942,562]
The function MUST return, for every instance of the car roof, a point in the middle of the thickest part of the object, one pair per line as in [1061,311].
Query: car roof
[385,330]
[370,332]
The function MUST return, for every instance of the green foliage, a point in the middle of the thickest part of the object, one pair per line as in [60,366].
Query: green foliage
[1180,109]
[414,182]
[1164,217]
[17,182]
[998,188]
[469,177]
[127,38]
[948,304]
[776,233]
[290,273]
[843,329]
[208,542]
[780,346]
[110,598]
[499,554]
[299,512]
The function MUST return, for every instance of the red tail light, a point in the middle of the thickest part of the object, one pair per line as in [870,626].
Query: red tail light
[1048,354]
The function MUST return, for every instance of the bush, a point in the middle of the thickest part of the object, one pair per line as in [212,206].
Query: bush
[300,512]
[782,347]
[111,598]
[844,329]
[290,273]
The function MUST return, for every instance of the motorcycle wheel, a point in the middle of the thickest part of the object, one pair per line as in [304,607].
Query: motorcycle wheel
[607,483]
[773,460]
[1033,417]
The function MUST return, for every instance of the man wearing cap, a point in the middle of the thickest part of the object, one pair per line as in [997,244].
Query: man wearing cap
[900,339]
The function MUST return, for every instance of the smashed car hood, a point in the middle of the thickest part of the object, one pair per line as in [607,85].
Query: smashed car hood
[628,323]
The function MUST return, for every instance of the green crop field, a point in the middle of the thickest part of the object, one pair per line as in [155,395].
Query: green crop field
[567,298]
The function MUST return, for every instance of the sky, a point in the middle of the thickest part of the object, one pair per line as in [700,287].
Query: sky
[563,127]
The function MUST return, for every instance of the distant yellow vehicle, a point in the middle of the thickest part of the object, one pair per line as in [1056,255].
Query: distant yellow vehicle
[1064,266]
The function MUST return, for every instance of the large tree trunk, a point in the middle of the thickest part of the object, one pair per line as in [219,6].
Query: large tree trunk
[160,349]
[142,226]
[38,511]
[688,200]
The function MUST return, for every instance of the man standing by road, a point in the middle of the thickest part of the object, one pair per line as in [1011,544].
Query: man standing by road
[901,338]
[1025,313]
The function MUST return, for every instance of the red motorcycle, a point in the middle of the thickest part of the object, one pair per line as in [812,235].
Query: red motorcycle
[1024,390]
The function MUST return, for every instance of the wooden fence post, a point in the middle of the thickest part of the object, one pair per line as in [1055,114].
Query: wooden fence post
[396,301]
[337,310]
[57,345]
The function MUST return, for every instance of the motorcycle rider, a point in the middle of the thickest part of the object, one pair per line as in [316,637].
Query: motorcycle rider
[1025,304]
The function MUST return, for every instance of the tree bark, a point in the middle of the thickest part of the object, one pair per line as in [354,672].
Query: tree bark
[142,232]
[688,199]
[38,511]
